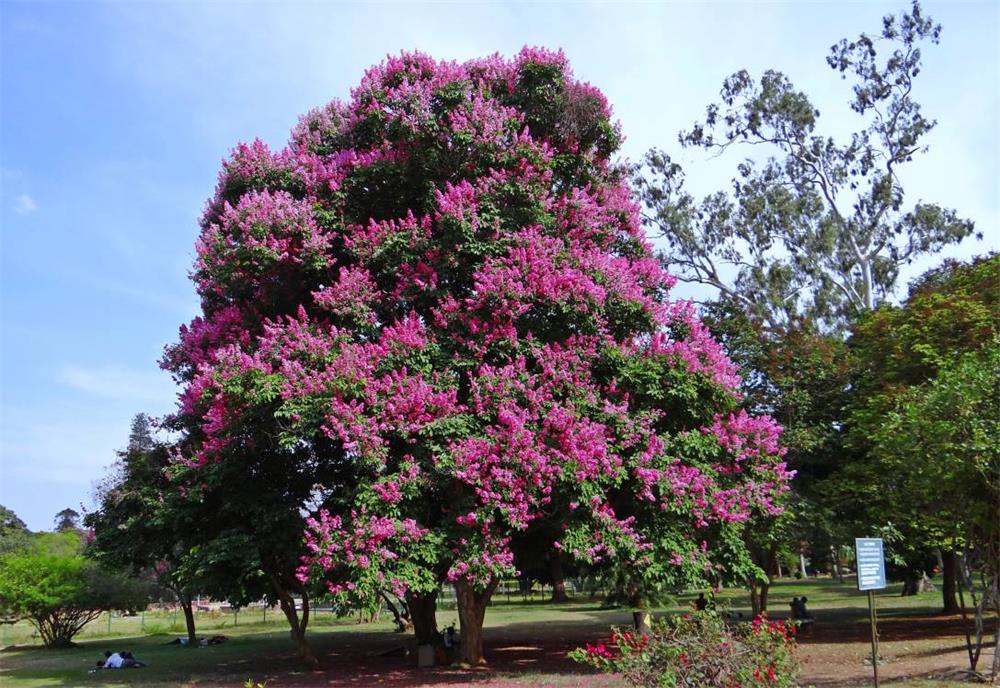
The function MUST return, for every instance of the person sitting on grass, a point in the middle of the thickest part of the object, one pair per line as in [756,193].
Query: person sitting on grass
[451,642]
[799,611]
[703,603]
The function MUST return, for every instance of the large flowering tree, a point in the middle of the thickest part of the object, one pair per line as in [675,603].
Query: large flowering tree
[440,293]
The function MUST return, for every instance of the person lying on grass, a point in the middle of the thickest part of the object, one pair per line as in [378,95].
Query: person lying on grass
[119,660]
[202,642]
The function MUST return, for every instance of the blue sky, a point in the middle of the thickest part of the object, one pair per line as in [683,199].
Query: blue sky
[115,117]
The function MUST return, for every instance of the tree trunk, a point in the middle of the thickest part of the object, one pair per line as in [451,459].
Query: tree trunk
[802,565]
[994,590]
[835,564]
[400,612]
[965,578]
[423,615]
[296,624]
[471,612]
[642,620]
[758,596]
[995,670]
[759,588]
[558,578]
[916,583]
[189,620]
[949,574]
[57,628]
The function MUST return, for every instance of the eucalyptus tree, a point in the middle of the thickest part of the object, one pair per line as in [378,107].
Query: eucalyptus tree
[814,229]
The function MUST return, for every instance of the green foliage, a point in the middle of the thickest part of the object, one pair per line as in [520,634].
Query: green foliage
[816,232]
[67,519]
[135,526]
[140,438]
[935,456]
[63,544]
[953,309]
[14,534]
[60,594]
[699,650]
[922,423]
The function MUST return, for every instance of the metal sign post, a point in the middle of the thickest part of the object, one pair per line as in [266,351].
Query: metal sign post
[871,577]
[874,621]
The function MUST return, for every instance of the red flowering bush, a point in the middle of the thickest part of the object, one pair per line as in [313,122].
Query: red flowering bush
[700,650]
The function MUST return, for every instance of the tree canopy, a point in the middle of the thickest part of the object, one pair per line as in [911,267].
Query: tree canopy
[59,593]
[815,230]
[67,519]
[918,443]
[436,308]
[137,526]
[14,534]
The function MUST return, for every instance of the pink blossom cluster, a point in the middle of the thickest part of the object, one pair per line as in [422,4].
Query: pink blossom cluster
[358,546]
[696,348]
[444,284]
[252,240]
[205,336]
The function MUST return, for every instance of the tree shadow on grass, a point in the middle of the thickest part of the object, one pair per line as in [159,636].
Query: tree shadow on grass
[528,652]
[828,628]
[348,658]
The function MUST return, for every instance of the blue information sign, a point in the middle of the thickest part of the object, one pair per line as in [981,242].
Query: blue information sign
[871,563]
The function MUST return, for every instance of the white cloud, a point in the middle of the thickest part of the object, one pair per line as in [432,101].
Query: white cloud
[49,461]
[71,452]
[24,204]
[120,384]
[54,448]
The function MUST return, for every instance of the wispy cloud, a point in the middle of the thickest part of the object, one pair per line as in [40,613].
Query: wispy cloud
[73,452]
[24,204]
[120,383]
[180,302]
[50,461]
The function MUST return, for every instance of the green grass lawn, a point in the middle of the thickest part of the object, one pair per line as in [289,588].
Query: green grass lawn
[827,594]
[259,647]
[162,622]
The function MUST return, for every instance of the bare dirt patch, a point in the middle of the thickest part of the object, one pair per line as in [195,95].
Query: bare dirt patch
[835,655]
[924,647]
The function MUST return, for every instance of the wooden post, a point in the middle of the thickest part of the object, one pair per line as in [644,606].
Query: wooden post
[872,615]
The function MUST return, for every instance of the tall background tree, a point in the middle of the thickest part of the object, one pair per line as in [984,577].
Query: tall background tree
[137,526]
[810,239]
[14,534]
[67,519]
[949,321]
[433,320]
[815,230]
